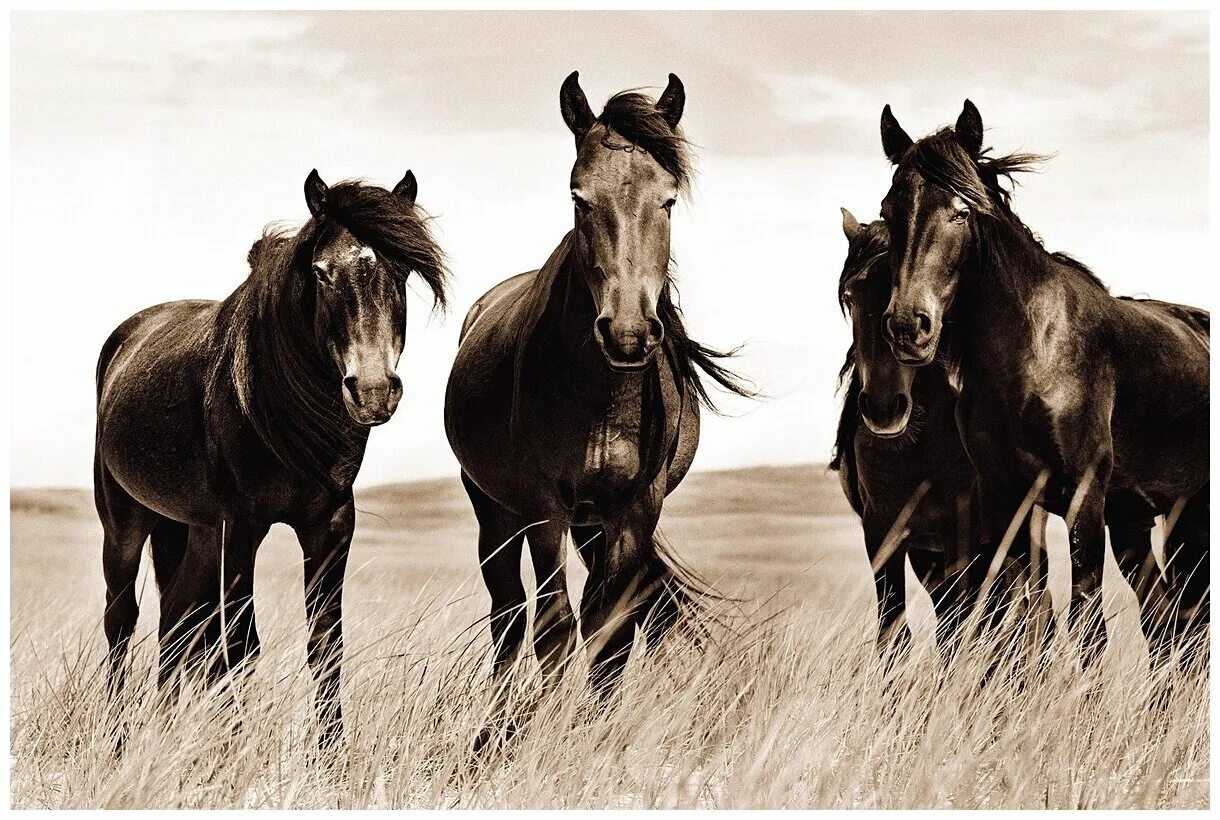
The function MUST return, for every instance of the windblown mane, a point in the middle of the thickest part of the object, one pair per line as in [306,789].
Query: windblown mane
[633,117]
[941,160]
[270,358]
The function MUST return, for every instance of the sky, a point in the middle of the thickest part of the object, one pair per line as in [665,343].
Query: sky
[148,150]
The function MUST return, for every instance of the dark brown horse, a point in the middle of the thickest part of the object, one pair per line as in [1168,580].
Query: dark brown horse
[573,404]
[1107,396]
[217,419]
[898,444]
[900,458]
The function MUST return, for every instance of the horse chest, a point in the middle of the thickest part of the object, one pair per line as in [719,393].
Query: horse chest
[612,448]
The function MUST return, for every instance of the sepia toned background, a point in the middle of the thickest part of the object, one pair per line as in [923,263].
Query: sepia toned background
[148,151]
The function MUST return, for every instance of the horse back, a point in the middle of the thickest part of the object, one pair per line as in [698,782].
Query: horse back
[513,285]
[151,333]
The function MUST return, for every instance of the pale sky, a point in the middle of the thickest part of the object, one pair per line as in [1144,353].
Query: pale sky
[148,151]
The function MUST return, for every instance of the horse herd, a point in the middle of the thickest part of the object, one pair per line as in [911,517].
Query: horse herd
[987,378]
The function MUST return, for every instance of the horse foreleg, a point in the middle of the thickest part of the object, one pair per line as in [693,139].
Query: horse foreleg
[325,542]
[554,621]
[887,556]
[614,598]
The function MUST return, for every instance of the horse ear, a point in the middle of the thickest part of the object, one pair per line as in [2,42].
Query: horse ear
[969,129]
[851,227]
[894,141]
[407,188]
[672,101]
[576,112]
[315,193]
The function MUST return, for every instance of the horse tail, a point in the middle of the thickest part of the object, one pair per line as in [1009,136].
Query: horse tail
[678,598]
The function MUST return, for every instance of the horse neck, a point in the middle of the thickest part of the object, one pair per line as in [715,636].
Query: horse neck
[998,283]
[288,380]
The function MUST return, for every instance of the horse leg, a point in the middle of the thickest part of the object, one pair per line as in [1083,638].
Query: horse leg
[501,538]
[325,542]
[1087,545]
[189,604]
[1132,546]
[169,539]
[616,593]
[1000,570]
[1188,558]
[125,524]
[590,544]
[240,644]
[888,562]
[554,622]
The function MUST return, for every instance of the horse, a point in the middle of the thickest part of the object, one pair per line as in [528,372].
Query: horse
[1107,398]
[898,443]
[217,419]
[573,403]
[899,457]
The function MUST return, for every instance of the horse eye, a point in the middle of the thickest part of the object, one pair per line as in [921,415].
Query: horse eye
[961,214]
[581,205]
[669,205]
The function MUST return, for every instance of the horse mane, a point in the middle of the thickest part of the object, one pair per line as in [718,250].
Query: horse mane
[690,356]
[268,353]
[941,160]
[634,117]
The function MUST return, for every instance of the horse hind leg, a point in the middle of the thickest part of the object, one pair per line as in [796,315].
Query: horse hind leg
[169,540]
[1188,559]
[190,598]
[501,540]
[126,524]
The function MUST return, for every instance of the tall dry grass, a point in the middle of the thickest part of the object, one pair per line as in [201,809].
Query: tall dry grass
[794,710]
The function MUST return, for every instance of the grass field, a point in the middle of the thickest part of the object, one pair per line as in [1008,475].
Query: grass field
[794,711]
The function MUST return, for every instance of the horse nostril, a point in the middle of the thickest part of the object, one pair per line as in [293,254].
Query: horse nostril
[863,404]
[350,384]
[656,332]
[395,383]
[887,327]
[924,323]
[900,406]
[602,328]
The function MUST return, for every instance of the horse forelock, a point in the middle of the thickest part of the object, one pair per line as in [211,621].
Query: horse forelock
[633,118]
[398,232]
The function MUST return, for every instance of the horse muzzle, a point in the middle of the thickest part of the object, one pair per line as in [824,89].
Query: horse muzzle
[630,349]
[885,419]
[371,402]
